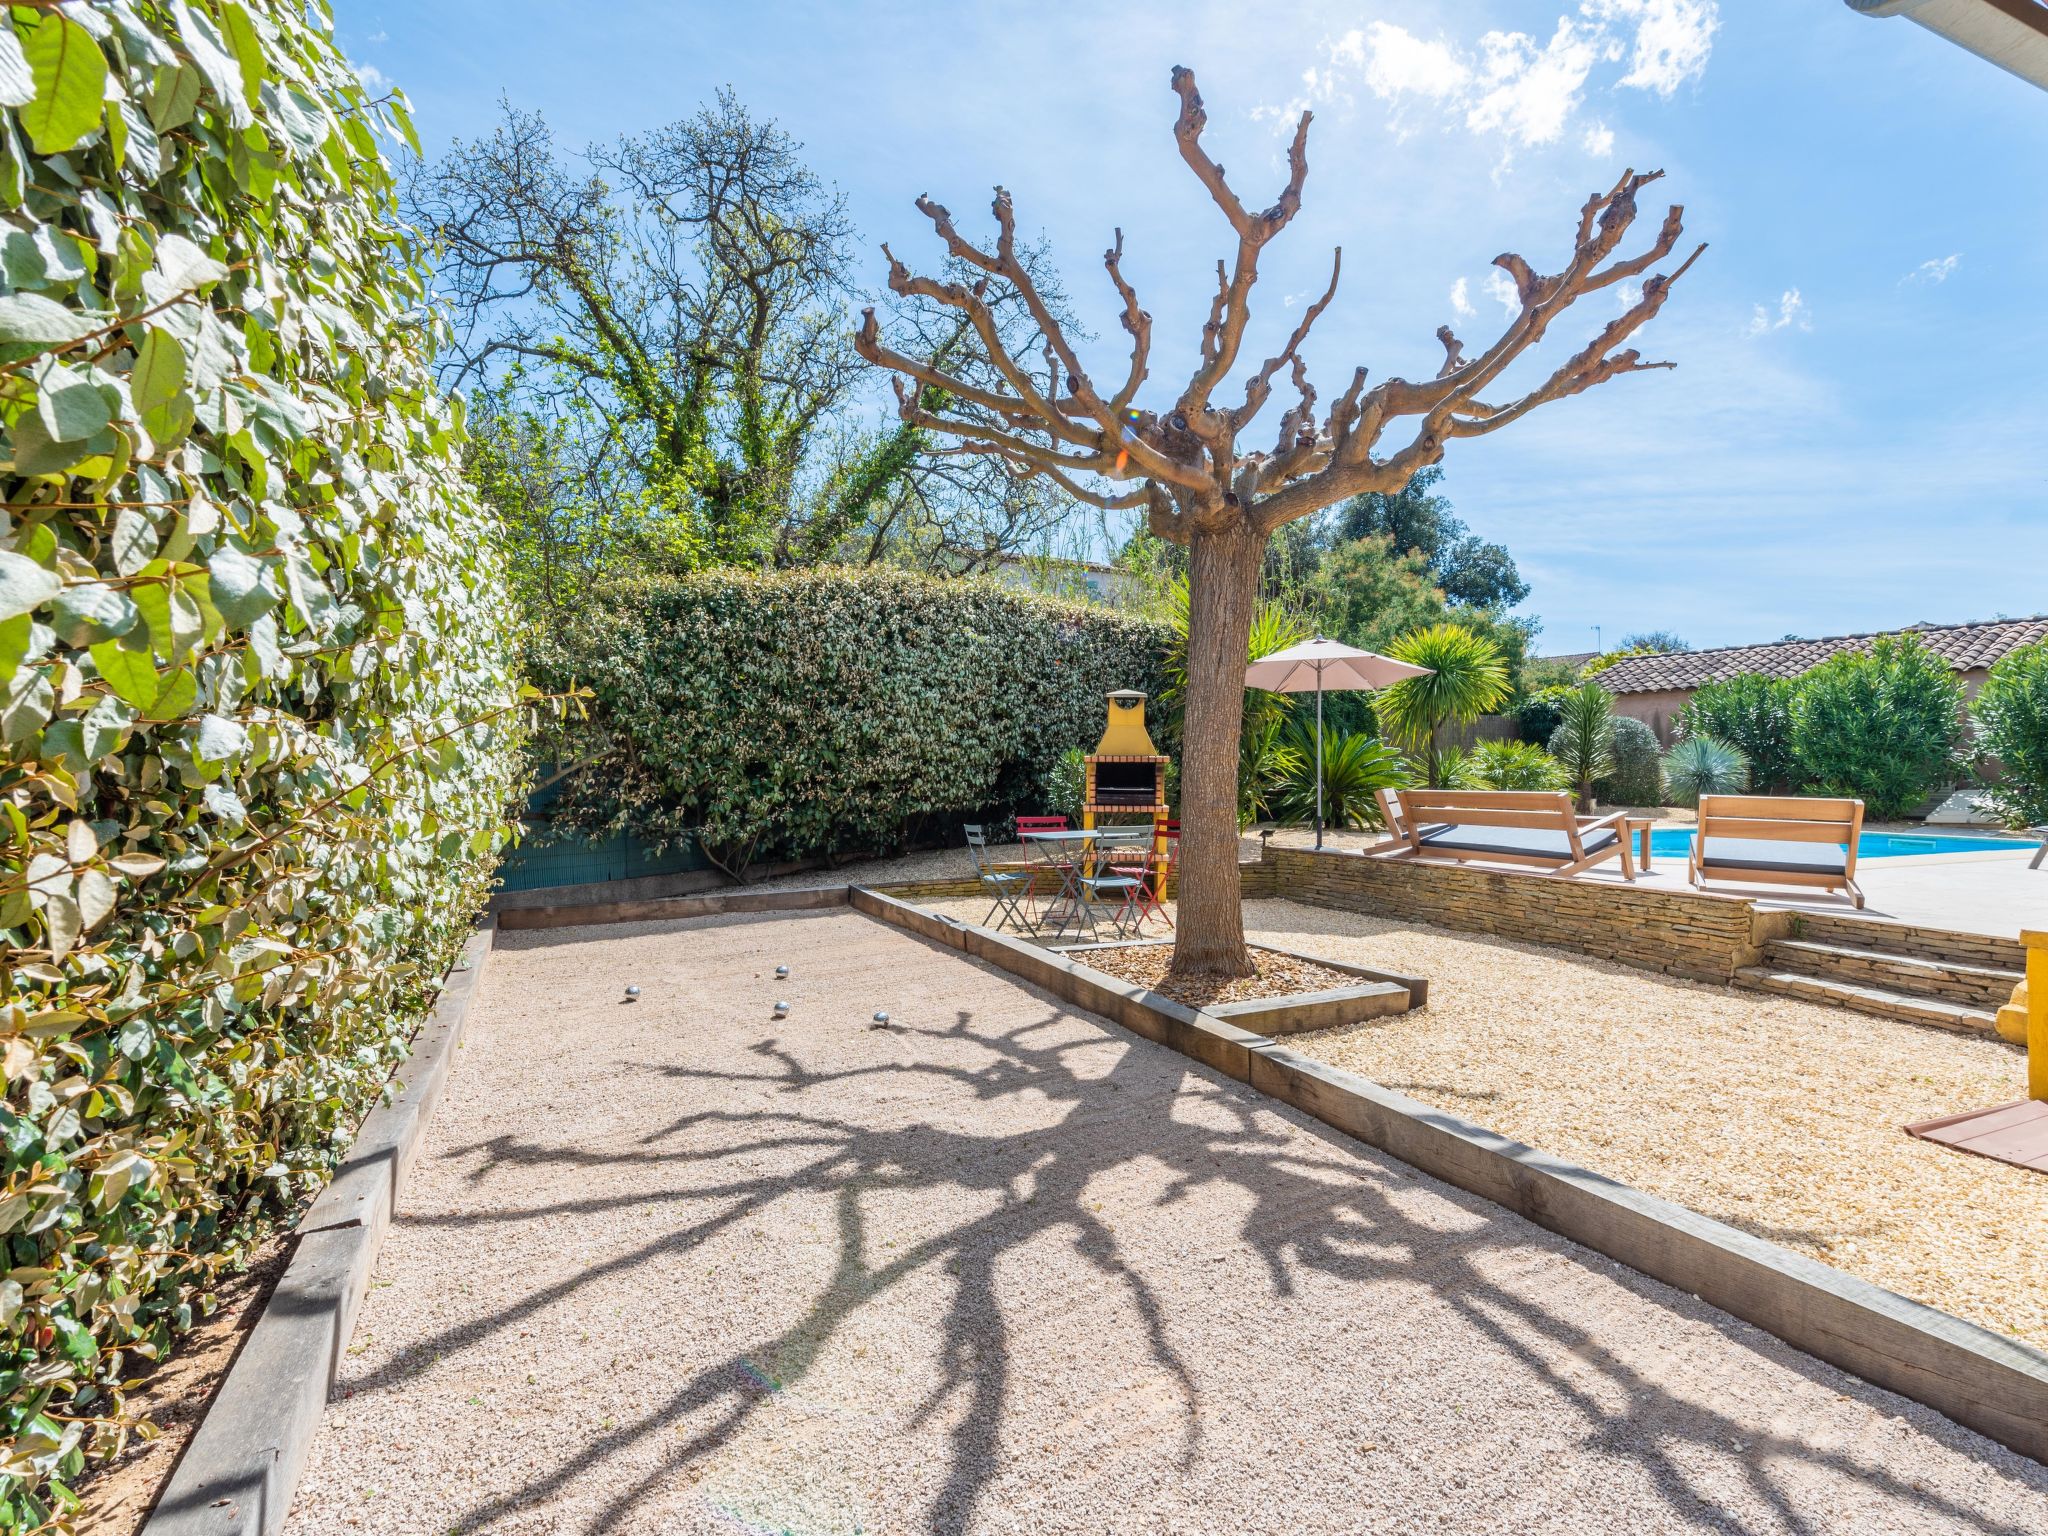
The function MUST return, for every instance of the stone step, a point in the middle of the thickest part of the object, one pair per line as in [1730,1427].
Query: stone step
[1973,985]
[1870,999]
[1875,933]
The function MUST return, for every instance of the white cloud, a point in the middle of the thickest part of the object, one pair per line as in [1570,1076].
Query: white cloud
[1500,287]
[1937,270]
[1672,39]
[1792,311]
[1629,294]
[1461,300]
[1510,86]
[373,78]
[380,36]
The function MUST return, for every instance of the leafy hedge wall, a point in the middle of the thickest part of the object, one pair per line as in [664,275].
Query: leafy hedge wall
[1883,724]
[2012,725]
[254,682]
[805,712]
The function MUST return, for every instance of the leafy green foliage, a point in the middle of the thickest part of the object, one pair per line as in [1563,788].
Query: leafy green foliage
[806,711]
[1703,765]
[1355,768]
[1066,782]
[1418,519]
[1506,765]
[255,694]
[1467,677]
[1637,777]
[1883,725]
[1538,715]
[1584,739]
[2012,725]
[1268,762]
[1753,714]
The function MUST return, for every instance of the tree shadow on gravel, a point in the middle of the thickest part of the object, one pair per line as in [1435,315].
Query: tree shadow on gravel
[1313,1205]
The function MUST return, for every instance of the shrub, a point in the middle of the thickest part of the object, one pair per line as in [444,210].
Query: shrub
[1701,765]
[1538,716]
[1065,783]
[1584,740]
[799,712]
[1355,769]
[254,683]
[1267,762]
[2012,725]
[1508,765]
[1637,777]
[1753,714]
[1882,724]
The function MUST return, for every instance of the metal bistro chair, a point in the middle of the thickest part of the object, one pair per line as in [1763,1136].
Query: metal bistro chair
[1006,885]
[1107,883]
[1056,866]
[1152,868]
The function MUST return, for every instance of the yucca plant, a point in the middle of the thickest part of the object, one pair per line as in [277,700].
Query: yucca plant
[1584,739]
[1467,677]
[1355,768]
[1704,765]
[1507,765]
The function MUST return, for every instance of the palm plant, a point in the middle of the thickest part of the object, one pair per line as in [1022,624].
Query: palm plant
[1267,763]
[1275,626]
[1356,766]
[1704,765]
[1467,677]
[1584,740]
[1507,765]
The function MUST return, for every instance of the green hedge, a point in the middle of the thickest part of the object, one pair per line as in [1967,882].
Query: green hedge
[796,713]
[1883,724]
[1752,713]
[253,642]
[2012,725]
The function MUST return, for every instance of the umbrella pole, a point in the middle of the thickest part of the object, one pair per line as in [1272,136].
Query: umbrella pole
[1319,757]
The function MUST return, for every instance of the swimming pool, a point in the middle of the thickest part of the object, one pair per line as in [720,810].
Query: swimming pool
[1676,842]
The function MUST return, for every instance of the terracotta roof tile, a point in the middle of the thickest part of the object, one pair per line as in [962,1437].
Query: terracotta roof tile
[1962,646]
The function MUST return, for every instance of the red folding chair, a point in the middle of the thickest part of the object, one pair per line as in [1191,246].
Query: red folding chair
[1041,824]
[1152,868]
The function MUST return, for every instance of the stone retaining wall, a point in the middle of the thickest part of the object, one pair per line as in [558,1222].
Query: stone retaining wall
[1682,933]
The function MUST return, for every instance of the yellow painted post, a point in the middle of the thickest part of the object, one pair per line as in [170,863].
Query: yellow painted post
[2037,1012]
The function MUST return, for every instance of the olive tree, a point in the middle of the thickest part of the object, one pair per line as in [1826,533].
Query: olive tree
[1189,465]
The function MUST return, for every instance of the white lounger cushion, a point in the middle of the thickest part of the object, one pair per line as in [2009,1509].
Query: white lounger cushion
[1757,853]
[1520,840]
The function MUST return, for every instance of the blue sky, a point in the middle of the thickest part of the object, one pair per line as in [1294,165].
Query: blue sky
[1855,437]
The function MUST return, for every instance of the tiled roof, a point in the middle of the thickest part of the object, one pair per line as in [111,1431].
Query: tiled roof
[1962,646]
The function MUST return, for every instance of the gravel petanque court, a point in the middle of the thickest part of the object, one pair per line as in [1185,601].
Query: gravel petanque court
[676,1266]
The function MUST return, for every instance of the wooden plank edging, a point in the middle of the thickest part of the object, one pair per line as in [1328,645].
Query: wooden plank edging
[237,1474]
[1980,1378]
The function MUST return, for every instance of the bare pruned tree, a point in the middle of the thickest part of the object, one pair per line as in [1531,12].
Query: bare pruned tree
[1189,467]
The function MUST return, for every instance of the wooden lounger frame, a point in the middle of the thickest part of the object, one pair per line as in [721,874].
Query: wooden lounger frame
[1779,819]
[1535,810]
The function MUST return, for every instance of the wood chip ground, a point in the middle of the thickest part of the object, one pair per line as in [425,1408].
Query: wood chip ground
[1278,976]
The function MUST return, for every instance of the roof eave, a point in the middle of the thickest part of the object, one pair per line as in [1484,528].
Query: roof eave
[2013,34]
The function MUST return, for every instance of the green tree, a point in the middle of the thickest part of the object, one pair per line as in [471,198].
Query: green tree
[1753,714]
[1584,740]
[1637,777]
[1466,679]
[2012,725]
[1882,724]
[1418,520]
[1356,767]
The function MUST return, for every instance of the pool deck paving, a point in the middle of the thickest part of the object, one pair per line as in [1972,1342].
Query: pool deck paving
[675,1265]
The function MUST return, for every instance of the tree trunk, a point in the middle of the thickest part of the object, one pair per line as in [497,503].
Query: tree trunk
[1223,595]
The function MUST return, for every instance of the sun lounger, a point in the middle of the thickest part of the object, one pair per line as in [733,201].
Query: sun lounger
[1537,829]
[1778,840]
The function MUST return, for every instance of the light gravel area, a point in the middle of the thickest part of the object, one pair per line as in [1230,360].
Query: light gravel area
[675,1266]
[1782,1117]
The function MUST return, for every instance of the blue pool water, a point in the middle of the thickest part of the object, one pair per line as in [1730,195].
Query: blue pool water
[1676,842]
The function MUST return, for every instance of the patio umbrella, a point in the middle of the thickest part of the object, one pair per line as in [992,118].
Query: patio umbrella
[1324,664]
